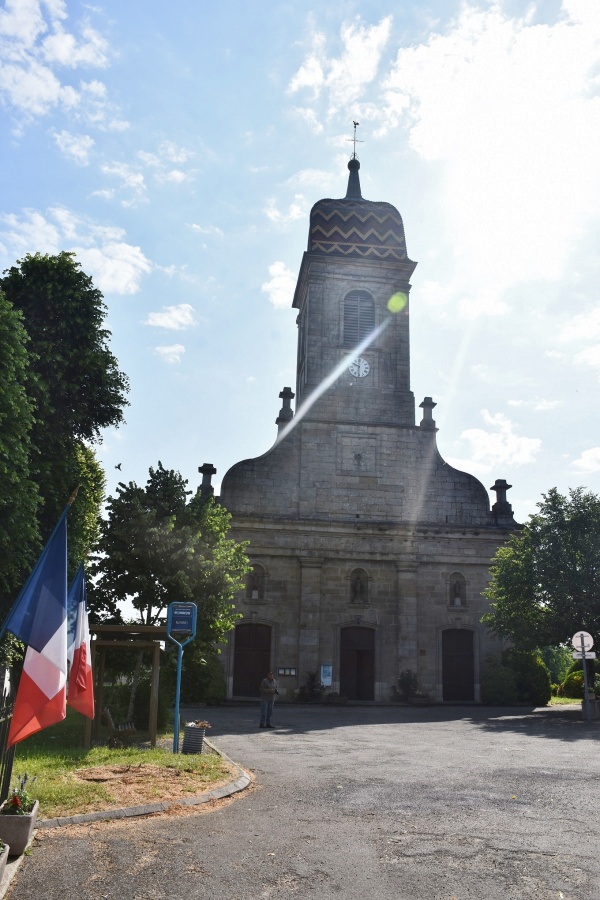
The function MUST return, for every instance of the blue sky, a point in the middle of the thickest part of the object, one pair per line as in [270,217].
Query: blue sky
[178,150]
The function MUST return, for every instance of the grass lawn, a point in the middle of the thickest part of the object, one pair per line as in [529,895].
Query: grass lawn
[71,779]
[564,701]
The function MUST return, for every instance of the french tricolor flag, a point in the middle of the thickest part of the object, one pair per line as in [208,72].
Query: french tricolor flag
[39,619]
[80,693]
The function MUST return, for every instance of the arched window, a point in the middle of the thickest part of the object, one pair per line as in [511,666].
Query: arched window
[457,590]
[359,317]
[255,583]
[359,587]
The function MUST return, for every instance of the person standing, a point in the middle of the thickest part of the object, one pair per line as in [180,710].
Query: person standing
[268,692]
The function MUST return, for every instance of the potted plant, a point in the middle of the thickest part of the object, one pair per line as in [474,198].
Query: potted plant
[18,815]
[193,736]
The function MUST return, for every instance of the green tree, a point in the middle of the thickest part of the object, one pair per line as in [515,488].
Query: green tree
[19,536]
[74,383]
[157,547]
[546,580]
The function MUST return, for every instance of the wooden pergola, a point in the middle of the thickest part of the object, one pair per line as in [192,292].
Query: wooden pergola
[124,637]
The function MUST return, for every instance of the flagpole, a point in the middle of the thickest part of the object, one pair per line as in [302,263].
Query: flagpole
[40,559]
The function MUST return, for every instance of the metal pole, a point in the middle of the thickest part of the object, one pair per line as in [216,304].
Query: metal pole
[177,693]
[586,702]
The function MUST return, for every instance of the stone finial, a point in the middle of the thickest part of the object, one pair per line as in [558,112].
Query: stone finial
[427,421]
[501,506]
[285,413]
[207,470]
[353,192]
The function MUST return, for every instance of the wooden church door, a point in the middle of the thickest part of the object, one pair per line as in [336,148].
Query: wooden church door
[251,659]
[458,665]
[357,663]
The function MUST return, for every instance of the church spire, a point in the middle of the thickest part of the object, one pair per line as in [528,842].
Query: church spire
[353,192]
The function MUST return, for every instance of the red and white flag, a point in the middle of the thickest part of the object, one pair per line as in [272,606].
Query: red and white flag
[80,693]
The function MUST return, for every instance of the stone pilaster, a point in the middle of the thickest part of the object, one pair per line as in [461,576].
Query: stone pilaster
[407,593]
[310,616]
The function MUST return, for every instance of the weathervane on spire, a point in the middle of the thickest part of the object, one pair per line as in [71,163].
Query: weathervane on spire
[354,139]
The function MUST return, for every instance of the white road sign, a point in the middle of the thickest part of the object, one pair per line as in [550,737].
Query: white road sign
[588,640]
[589,654]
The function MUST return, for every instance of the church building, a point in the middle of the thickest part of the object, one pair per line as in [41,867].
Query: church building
[369,553]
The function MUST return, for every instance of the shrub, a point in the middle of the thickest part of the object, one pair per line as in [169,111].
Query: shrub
[532,676]
[408,686]
[572,686]
[498,683]
[311,691]
[203,679]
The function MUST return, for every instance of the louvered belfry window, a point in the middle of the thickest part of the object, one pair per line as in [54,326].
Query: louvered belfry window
[359,317]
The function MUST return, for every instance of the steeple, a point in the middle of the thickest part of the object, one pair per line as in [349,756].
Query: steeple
[353,192]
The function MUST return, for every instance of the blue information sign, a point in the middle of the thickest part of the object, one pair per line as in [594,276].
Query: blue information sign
[181,621]
[181,618]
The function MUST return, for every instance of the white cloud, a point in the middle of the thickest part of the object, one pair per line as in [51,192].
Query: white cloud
[310,117]
[588,462]
[501,105]
[161,162]
[130,179]
[344,77]
[281,286]
[171,354]
[494,449]
[547,405]
[589,357]
[310,178]
[117,267]
[298,209]
[585,326]
[173,317]
[114,265]
[74,146]
[64,49]
[35,47]
[536,405]
[207,229]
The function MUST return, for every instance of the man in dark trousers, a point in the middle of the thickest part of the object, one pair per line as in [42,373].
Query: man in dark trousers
[268,692]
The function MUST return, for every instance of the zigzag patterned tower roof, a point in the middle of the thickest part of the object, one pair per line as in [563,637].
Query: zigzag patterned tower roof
[353,227]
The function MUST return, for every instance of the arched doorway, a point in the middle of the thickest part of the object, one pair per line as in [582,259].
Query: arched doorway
[251,658]
[357,663]
[458,665]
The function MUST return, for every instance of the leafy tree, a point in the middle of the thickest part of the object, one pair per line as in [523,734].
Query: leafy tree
[156,547]
[19,536]
[558,661]
[546,580]
[73,381]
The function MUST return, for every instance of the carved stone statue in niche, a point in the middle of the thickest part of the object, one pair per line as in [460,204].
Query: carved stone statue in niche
[458,594]
[358,587]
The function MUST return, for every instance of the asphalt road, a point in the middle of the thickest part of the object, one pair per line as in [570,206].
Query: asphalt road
[362,802]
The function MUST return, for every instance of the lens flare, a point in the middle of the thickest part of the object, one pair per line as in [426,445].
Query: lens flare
[397,302]
[332,378]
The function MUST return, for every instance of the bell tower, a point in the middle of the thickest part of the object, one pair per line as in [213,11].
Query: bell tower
[352,298]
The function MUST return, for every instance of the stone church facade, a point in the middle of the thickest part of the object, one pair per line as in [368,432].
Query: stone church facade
[369,552]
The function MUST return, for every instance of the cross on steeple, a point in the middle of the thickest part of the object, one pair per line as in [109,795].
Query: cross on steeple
[354,139]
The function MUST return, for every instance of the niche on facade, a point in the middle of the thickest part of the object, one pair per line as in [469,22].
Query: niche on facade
[256,581]
[359,588]
[457,590]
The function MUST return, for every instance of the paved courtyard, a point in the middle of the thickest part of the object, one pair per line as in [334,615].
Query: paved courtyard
[378,802]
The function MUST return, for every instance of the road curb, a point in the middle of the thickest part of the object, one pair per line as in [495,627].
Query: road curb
[239,783]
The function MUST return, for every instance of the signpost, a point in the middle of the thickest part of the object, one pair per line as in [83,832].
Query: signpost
[181,621]
[582,643]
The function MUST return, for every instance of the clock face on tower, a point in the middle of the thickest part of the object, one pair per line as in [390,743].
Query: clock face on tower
[359,367]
